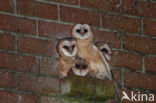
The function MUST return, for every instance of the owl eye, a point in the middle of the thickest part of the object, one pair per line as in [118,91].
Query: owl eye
[77,66]
[78,30]
[84,66]
[104,50]
[66,47]
[85,30]
[73,46]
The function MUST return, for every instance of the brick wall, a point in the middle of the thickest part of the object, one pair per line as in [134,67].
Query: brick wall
[29,30]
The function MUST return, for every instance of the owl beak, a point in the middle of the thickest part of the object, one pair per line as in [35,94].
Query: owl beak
[81,31]
[70,50]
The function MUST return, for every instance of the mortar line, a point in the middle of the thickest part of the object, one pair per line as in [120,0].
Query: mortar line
[37,29]
[38,63]
[16,43]
[79,4]
[123,79]
[101,21]
[27,35]
[143,65]
[26,54]
[121,41]
[142,26]
[121,6]
[16,80]
[58,10]
[15,6]
[84,8]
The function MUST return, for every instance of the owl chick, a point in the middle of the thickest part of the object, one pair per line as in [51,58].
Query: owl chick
[81,67]
[106,50]
[87,50]
[67,50]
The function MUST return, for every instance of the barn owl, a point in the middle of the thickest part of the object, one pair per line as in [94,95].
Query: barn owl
[80,67]
[88,51]
[67,50]
[106,50]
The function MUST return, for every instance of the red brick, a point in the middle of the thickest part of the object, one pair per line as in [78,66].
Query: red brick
[52,30]
[138,80]
[18,62]
[6,5]
[38,9]
[7,41]
[37,46]
[53,100]
[128,60]
[150,64]
[17,24]
[73,2]
[140,8]
[105,5]
[11,97]
[140,44]
[111,38]
[49,66]
[150,27]
[117,76]
[76,15]
[37,84]
[122,23]
[7,79]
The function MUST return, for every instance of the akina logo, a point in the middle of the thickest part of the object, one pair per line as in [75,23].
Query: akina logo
[137,96]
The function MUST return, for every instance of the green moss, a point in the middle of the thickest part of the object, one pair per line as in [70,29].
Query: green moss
[105,90]
[83,88]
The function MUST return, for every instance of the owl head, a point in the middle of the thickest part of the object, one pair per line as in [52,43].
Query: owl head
[67,47]
[81,67]
[82,32]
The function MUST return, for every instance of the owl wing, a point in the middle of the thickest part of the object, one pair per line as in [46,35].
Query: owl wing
[108,72]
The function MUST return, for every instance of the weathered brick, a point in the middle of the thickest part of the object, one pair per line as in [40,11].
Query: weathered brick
[76,15]
[7,79]
[150,64]
[104,5]
[126,24]
[17,24]
[11,97]
[6,5]
[49,66]
[7,41]
[117,76]
[138,80]
[140,8]
[18,62]
[48,29]
[53,100]
[110,38]
[38,9]
[38,84]
[140,44]
[128,60]
[73,2]
[149,27]
[37,46]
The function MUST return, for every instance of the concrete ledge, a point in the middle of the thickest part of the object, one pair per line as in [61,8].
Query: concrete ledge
[87,88]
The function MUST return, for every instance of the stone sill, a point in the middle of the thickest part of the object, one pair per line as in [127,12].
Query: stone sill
[87,88]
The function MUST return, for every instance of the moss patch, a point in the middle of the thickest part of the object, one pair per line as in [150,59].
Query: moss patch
[87,89]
